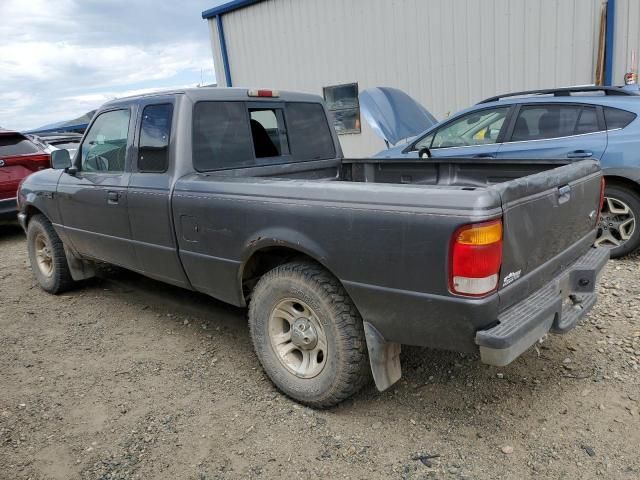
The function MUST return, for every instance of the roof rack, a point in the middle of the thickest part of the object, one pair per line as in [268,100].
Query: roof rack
[563,92]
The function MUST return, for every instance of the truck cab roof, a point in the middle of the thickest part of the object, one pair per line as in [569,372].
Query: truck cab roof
[216,93]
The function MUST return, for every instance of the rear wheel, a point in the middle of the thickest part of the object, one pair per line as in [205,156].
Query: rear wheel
[47,257]
[308,335]
[618,226]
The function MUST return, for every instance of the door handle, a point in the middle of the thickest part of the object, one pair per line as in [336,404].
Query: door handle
[484,155]
[113,197]
[579,154]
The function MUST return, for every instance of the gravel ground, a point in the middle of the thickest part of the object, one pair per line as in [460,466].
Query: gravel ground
[127,378]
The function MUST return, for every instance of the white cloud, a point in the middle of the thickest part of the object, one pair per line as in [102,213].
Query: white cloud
[57,66]
[91,100]
[97,66]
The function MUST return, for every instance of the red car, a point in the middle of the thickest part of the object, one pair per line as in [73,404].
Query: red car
[19,157]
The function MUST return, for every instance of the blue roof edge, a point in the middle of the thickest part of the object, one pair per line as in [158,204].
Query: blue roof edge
[59,128]
[228,7]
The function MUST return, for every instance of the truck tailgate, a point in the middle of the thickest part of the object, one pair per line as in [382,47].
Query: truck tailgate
[549,221]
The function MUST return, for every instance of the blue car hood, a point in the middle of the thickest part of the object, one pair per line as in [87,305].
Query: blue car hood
[393,115]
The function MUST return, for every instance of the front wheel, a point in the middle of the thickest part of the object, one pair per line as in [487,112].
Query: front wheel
[47,257]
[308,335]
[618,228]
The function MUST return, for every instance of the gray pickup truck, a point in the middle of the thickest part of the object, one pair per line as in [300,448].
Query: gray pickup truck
[244,195]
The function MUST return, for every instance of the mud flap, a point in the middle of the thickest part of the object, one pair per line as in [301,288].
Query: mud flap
[384,358]
[80,269]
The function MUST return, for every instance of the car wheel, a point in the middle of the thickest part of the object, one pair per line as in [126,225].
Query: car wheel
[47,257]
[308,335]
[618,226]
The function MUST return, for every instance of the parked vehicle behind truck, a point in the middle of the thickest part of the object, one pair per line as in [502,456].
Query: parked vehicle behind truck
[244,196]
[573,123]
[19,157]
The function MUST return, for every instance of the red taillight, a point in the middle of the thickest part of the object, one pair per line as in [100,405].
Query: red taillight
[263,93]
[32,161]
[37,161]
[475,258]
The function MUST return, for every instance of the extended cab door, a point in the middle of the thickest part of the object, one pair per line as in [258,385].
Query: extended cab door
[474,134]
[555,130]
[93,202]
[149,192]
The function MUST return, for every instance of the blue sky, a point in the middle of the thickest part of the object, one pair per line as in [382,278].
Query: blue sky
[62,58]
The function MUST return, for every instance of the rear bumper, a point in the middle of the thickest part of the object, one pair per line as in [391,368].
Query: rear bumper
[8,208]
[557,307]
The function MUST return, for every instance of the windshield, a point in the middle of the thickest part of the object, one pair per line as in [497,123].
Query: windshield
[475,128]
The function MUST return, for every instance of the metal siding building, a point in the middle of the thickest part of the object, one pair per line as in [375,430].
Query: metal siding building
[626,37]
[446,54]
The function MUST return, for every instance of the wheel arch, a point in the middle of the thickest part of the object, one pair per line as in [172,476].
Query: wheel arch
[79,268]
[621,181]
[269,254]
[30,211]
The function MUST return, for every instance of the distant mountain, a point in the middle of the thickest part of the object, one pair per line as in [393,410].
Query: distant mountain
[81,120]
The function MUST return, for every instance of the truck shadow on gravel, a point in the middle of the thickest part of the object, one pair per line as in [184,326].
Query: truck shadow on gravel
[444,383]
[10,230]
[177,302]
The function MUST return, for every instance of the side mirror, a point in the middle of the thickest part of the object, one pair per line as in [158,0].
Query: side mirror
[60,159]
[424,153]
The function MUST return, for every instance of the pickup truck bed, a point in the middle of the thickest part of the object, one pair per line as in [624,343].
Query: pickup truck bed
[394,270]
[330,254]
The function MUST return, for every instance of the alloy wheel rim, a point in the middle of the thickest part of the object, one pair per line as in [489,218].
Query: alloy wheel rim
[617,223]
[298,338]
[44,258]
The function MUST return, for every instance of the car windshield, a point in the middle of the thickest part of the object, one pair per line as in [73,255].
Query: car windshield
[473,129]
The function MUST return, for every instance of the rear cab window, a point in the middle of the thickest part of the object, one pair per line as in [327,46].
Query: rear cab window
[268,132]
[15,144]
[310,132]
[236,134]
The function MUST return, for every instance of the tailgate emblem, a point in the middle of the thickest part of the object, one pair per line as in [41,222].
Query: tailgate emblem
[1,163]
[564,194]
[512,277]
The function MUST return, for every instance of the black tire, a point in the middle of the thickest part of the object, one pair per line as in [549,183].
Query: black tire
[346,368]
[630,198]
[58,278]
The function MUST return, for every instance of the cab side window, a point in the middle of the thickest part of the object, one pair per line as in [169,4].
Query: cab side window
[476,128]
[104,148]
[155,131]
